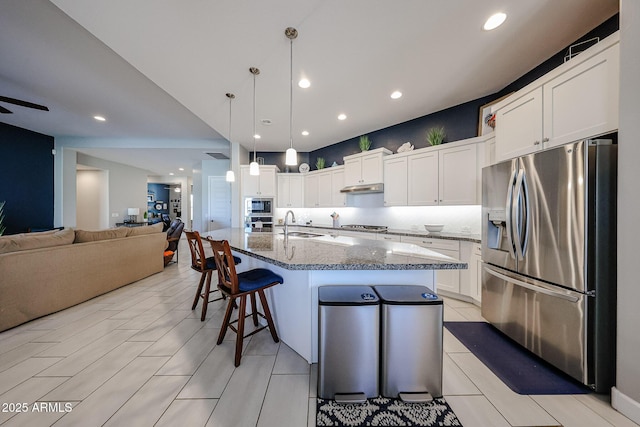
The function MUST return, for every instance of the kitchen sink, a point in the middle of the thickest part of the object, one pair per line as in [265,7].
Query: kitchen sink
[302,234]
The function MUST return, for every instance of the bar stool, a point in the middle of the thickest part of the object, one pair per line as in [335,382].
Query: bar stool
[205,266]
[240,286]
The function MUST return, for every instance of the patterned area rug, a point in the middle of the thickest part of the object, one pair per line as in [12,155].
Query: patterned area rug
[382,411]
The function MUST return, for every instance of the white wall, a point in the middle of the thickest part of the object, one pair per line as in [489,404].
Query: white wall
[127,187]
[626,394]
[201,190]
[92,195]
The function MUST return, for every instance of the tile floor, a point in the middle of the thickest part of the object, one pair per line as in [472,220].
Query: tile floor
[139,356]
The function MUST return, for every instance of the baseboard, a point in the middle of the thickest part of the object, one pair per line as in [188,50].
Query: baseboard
[625,405]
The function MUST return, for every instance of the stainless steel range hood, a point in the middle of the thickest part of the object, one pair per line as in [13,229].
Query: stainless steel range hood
[364,189]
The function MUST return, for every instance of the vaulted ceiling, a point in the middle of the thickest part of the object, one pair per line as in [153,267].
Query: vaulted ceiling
[159,69]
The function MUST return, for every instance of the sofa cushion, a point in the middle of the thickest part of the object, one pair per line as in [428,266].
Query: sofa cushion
[83,236]
[44,239]
[149,229]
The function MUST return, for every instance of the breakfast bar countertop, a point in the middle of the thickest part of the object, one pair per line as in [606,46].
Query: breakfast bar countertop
[333,253]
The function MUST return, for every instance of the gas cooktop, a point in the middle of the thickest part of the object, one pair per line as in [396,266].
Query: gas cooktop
[359,227]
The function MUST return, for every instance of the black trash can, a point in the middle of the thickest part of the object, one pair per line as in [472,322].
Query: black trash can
[348,348]
[411,342]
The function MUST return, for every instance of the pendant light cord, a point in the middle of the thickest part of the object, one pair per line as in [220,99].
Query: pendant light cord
[291,97]
[254,116]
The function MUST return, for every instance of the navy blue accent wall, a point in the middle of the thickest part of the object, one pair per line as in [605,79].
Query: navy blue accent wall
[460,122]
[26,173]
[160,193]
[277,158]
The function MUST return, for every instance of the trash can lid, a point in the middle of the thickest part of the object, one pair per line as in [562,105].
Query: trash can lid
[347,295]
[406,294]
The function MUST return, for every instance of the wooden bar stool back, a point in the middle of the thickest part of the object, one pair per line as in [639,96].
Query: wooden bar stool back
[205,266]
[240,286]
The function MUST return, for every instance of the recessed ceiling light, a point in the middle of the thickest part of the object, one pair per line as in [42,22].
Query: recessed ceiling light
[100,118]
[180,169]
[397,94]
[305,132]
[256,136]
[494,21]
[304,83]
[171,173]
[342,117]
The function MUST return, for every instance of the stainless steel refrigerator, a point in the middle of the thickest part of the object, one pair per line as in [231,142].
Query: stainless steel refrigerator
[549,256]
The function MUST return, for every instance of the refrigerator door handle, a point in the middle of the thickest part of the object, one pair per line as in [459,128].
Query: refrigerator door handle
[527,214]
[509,217]
[535,288]
[521,214]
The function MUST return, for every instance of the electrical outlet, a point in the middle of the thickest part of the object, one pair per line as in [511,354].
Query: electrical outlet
[115,215]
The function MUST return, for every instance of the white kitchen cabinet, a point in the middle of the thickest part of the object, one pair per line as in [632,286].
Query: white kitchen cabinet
[489,152]
[446,280]
[583,102]
[290,190]
[395,181]
[322,188]
[318,189]
[475,273]
[444,175]
[337,183]
[365,168]
[519,125]
[457,175]
[263,185]
[422,178]
[579,99]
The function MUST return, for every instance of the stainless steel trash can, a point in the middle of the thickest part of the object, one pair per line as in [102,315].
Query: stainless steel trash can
[411,342]
[348,348]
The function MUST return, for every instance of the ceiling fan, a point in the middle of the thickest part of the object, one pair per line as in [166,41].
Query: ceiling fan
[20,103]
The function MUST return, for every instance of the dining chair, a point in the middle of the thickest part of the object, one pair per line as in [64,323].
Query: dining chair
[240,286]
[205,266]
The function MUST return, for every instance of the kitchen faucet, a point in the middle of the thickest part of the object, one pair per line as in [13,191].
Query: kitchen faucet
[286,223]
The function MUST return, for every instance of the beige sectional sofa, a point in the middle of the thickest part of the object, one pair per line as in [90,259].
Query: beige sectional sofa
[41,273]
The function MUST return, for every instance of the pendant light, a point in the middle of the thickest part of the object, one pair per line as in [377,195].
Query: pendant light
[231,176]
[291,157]
[254,168]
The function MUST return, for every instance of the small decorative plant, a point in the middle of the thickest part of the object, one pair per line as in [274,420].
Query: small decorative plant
[365,143]
[320,163]
[145,216]
[2,227]
[435,136]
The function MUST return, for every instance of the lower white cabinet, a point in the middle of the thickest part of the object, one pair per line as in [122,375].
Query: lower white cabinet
[475,273]
[446,280]
[358,234]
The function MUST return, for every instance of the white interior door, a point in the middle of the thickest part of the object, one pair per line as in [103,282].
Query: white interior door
[219,203]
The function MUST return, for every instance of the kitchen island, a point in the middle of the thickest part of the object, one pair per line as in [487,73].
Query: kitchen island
[308,262]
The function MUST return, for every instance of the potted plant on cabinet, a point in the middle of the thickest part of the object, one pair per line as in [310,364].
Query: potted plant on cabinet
[435,136]
[365,143]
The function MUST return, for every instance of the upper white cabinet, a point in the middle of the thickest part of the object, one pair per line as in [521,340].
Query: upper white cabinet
[290,190]
[337,183]
[318,189]
[444,175]
[364,168]
[263,185]
[579,99]
[395,181]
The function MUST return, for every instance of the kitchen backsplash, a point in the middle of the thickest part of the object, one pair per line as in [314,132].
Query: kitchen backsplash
[456,219]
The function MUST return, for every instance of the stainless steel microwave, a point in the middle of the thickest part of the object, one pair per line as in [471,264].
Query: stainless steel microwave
[259,206]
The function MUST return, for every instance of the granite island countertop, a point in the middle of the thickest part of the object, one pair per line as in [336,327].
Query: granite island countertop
[463,237]
[333,253]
